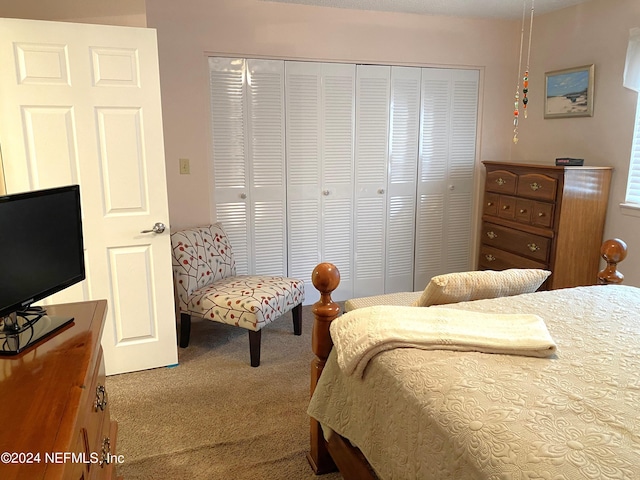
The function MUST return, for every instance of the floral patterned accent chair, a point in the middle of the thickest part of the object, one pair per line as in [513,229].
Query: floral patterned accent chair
[207,286]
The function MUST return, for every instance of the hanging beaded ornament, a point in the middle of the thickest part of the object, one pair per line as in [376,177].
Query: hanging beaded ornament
[525,78]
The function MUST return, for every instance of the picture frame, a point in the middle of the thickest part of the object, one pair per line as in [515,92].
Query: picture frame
[569,92]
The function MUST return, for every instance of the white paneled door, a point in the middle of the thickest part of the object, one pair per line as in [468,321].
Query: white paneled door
[81,104]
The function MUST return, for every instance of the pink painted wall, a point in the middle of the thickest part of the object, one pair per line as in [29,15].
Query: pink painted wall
[596,33]
[190,30]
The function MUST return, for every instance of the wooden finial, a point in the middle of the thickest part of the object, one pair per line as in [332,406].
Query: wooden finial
[613,251]
[325,278]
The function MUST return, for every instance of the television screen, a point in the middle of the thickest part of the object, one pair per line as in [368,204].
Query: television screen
[41,246]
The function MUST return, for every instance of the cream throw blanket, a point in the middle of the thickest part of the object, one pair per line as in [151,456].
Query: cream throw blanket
[361,334]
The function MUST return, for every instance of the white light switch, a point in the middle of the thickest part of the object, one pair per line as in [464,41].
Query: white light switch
[184,166]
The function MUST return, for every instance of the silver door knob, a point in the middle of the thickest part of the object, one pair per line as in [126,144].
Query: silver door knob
[157,228]
[326,192]
[243,195]
[381,191]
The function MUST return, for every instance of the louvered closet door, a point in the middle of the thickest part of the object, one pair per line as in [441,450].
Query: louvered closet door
[371,164]
[445,175]
[247,104]
[320,138]
[403,164]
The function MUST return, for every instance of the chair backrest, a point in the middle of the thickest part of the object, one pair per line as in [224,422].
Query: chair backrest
[200,256]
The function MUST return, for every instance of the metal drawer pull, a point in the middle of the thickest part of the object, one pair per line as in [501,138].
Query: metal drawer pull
[522,210]
[541,214]
[105,457]
[492,235]
[489,204]
[505,207]
[501,181]
[489,257]
[101,398]
[535,186]
[533,247]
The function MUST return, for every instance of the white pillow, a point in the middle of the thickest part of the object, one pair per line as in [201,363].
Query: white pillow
[476,285]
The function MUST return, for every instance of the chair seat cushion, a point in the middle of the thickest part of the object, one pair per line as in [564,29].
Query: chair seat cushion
[247,301]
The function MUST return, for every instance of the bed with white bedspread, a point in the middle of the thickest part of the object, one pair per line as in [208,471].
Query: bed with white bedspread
[442,414]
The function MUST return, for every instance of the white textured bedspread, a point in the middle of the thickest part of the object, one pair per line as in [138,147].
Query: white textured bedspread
[420,414]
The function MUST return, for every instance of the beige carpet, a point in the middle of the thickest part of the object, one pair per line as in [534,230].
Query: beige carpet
[213,416]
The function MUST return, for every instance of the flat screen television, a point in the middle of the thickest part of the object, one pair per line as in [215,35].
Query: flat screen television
[41,253]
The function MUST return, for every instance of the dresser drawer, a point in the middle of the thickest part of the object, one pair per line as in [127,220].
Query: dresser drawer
[491,201]
[538,186]
[515,241]
[501,181]
[495,259]
[542,215]
[507,207]
[96,415]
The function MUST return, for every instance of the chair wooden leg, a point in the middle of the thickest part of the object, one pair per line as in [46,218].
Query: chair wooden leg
[185,329]
[297,319]
[254,347]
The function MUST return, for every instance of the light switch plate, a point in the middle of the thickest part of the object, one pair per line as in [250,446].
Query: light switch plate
[184,166]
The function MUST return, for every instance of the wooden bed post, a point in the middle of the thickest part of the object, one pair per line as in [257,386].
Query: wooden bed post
[325,278]
[613,251]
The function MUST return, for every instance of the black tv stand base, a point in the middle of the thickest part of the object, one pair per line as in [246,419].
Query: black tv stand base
[20,331]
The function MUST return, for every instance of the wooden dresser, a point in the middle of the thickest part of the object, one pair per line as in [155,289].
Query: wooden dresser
[54,411]
[548,217]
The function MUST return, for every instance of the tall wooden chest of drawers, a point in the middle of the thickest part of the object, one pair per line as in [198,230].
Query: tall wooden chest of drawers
[538,216]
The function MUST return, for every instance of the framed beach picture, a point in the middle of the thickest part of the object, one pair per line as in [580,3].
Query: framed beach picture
[569,92]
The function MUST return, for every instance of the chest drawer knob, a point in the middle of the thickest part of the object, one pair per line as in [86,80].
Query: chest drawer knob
[501,181]
[523,210]
[505,207]
[490,258]
[489,204]
[492,235]
[101,398]
[533,247]
[541,214]
[535,186]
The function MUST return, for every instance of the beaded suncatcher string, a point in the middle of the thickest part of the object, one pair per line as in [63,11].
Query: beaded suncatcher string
[525,78]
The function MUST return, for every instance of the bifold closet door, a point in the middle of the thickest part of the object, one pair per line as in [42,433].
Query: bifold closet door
[403,165]
[247,120]
[387,125]
[373,84]
[320,148]
[449,112]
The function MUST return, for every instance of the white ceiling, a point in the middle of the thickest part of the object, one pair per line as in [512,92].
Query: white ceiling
[507,9]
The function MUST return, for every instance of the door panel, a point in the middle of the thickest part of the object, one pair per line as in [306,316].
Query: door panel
[85,108]
[247,106]
[371,165]
[445,175]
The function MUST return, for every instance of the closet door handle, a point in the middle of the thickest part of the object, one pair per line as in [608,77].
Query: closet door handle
[326,192]
[381,191]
